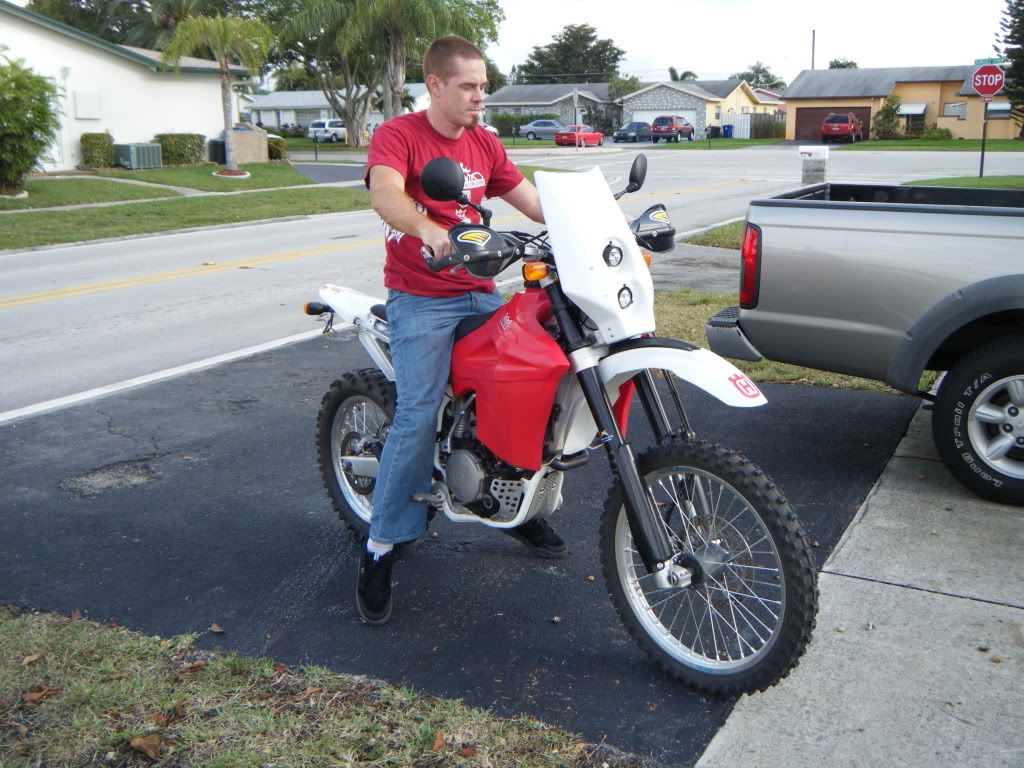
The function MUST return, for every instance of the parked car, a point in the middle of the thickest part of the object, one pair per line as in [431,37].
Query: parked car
[887,282]
[541,129]
[671,128]
[633,132]
[327,130]
[579,136]
[842,126]
[488,127]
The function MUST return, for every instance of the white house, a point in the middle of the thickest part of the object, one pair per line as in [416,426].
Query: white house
[279,108]
[115,88]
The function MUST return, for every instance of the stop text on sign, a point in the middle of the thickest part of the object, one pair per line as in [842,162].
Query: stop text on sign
[981,81]
[987,79]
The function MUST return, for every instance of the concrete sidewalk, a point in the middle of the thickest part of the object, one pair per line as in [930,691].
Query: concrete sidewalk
[918,656]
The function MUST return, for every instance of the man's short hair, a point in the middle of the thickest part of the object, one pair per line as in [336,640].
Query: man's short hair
[440,57]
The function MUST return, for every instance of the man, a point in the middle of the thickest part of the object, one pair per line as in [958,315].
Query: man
[423,306]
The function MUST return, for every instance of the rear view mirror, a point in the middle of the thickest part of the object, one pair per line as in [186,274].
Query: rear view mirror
[442,179]
[638,172]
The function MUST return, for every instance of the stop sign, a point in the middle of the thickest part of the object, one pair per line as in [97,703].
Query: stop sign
[987,80]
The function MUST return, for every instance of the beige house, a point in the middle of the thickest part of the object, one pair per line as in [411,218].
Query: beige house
[941,96]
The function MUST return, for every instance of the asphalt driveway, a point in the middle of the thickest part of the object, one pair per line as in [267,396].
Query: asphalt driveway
[197,500]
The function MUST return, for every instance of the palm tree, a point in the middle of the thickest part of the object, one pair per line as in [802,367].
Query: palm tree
[154,28]
[684,76]
[231,39]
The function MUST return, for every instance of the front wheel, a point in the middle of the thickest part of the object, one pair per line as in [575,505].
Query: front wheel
[747,616]
[978,420]
[531,136]
[354,419]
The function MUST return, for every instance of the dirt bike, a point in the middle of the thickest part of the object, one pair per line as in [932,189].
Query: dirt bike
[704,560]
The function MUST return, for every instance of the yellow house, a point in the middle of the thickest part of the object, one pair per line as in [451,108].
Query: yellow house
[941,96]
[734,97]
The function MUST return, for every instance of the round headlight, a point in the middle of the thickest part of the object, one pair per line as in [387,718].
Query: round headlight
[612,255]
[625,297]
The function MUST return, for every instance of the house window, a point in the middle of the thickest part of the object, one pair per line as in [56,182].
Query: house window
[718,113]
[957,109]
[744,110]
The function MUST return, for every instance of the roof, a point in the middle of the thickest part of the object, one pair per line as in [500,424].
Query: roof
[864,83]
[547,93]
[150,59]
[315,99]
[683,86]
[720,88]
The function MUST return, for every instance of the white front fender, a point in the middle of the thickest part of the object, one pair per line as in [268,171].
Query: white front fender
[702,368]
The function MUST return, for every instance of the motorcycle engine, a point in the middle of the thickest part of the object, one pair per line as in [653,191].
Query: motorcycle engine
[475,477]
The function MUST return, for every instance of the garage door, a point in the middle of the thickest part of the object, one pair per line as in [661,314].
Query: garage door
[648,115]
[809,119]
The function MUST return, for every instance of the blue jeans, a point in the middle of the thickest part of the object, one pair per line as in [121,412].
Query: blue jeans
[422,334]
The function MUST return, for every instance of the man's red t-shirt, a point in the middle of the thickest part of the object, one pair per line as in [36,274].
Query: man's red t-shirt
[407,143]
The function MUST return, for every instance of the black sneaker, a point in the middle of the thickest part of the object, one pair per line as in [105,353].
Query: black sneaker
[538,537]
[373,589]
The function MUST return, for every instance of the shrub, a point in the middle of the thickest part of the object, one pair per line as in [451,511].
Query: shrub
[934,133]
[886,122]
[180,148]
[97,150]
[28,121]
[508,124]
[277,149]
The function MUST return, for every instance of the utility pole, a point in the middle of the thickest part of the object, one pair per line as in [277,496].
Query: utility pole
[813,35]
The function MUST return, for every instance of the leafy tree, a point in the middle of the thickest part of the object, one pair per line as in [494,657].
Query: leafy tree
[886,122]
[154,29]
[495,78]
[574,55]
[295,77]
[681,77]
[620,86]
[232,40]
[407,27]
[842,64]
[759,76]
[28,121]
[1012,38]
[109,19]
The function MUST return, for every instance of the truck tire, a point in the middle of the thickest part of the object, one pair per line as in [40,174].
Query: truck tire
[978,420]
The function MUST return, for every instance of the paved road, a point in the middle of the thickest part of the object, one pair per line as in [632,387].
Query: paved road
[196,500]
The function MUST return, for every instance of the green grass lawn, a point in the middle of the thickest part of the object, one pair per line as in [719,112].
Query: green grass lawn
[47,193]
[985,182]
[262,176]
[713,144]
[725,236]
[24,230]
[306,145]
[924,145]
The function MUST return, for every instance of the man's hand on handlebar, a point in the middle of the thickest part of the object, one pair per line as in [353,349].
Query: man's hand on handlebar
[436,239]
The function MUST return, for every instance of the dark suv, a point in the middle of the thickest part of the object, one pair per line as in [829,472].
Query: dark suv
[671,128]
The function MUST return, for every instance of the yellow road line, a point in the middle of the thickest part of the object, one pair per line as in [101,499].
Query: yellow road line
[89,289]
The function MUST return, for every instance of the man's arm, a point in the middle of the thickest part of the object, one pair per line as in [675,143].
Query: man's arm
[398,210]
[525,198]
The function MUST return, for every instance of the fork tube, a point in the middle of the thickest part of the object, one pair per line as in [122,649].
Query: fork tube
[649,534]
[670,379]
[649,399]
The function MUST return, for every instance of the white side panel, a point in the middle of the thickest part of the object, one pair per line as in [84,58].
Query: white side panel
[582,219]
[346,303]
[700,367]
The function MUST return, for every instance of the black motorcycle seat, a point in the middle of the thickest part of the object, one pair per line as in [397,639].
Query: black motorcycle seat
[380,311]
[471,323]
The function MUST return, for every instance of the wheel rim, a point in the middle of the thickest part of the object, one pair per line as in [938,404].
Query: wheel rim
[995,426]
[358,423]
[733,616]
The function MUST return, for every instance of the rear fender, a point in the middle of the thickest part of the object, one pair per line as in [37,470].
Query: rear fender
[346,303]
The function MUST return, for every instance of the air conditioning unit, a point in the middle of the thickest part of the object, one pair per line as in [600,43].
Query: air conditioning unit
[137,156]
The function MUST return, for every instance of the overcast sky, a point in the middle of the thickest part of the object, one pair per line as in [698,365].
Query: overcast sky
[715,38]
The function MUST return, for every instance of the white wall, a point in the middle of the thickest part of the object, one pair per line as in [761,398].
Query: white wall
[104,92]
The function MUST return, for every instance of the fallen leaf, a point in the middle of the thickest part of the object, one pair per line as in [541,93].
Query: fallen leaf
[280,667]
[998,659]
[76,615]
[274,711]
[468,751]
[32,698]
[113,624]
[195,666]
[179,712]
[438,740]
[23,731]
[158,719]
[311,691]
[149,745]
[216,629]
[29,659]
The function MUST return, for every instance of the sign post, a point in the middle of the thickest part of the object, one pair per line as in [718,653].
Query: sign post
[987,81]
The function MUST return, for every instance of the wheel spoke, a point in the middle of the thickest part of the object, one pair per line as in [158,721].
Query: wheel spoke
[990,414]
[1015,389]
[999,447]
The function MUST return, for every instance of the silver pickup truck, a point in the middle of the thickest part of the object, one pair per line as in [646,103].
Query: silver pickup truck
[887,282]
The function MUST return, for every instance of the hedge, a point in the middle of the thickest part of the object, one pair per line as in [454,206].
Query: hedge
[97,150]
[508,124]
[277,149]
[181,148]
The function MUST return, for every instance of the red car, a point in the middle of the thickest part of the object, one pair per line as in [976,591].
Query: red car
[579,136]
[842,126]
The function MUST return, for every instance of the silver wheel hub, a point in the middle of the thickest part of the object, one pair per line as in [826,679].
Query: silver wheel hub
[995,425]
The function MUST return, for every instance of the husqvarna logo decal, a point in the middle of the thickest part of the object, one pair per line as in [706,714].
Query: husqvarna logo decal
[745,386]
[660,216]
[506,321]
[476,236]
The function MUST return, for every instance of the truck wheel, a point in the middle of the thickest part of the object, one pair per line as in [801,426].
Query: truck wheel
[978,420]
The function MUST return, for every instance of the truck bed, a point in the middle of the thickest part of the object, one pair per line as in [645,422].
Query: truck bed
[919,198]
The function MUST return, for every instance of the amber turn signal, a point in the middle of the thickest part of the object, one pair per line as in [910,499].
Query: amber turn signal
[534,271]
[647,257]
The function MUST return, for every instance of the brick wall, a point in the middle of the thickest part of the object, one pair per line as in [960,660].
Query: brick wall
[250,146]
[670,101]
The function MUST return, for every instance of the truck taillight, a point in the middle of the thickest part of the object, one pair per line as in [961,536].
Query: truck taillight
[750,266]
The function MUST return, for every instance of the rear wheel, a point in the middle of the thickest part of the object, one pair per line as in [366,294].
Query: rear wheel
[531,135]
[354,419]
[978,420]
[744,622]
[690,136]
[654,139]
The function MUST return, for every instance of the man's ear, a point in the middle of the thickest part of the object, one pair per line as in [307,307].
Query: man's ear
[433,85]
